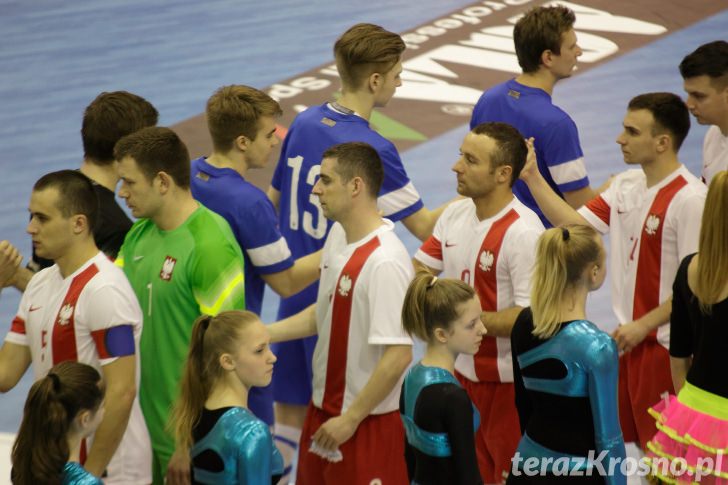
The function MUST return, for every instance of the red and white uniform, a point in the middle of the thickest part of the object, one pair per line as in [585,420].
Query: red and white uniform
[651,231]
[715,153]
[92,316]
[358,314]
[496,257]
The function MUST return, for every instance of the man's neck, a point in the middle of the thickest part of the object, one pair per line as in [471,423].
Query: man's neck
[659,169]
[358,102]
[360,223]
[78,255]
[175,211]
[491,204]
[226,160]
[541,79]
[723,126]
[104,175]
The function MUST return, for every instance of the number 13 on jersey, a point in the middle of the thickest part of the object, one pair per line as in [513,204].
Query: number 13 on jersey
[317,228]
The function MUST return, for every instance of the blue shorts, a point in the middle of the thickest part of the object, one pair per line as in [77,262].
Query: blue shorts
[260,403]
[293,372]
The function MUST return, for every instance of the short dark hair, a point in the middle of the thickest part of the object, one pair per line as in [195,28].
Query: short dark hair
[76,194]
[669,111]
[235,110]
[110,117]
[710,60]
[357,159]
[157,149]
[541,29]
[365,49]
[511,147]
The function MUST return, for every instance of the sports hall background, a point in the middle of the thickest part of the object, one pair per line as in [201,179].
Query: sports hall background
[55,57]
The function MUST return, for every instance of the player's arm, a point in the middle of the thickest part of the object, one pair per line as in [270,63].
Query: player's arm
[290,281]
[119,377]
[274,196]
[579,197]
[631,334]
[21,278]
[500,324]
[422,222]
[14,361]
[386,374]
[10,259]
[300,325]
[556,209]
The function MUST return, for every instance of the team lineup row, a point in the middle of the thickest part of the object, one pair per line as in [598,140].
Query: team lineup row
[207,241]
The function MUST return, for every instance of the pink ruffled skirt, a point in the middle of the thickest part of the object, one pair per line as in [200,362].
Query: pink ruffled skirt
[691,444]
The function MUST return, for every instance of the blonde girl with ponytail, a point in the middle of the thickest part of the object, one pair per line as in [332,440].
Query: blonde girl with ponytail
[565,368]
[229,354]
[62,409]
[439,419]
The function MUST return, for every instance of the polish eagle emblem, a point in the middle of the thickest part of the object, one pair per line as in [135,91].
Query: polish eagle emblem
[652,223]
[167,268]
[486,260]
[344,286]
[65,314]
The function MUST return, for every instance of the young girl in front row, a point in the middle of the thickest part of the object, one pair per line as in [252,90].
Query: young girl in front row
[62,409]
[565,368]
[229,354]
[439,419]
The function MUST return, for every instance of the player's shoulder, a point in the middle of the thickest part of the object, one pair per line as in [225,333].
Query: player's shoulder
[42,279]
[528,220]
[391,248]
[629,181]
[694,186]
[458,210]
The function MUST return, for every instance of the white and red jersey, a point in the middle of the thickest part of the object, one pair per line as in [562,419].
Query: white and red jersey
[651,231]
[358,314]
[91,316]
[495,256]
[715,153]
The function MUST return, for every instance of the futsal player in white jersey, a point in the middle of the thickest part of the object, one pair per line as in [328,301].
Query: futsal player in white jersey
[81,309]
[653,218]
[705,76]
[352,430]
[489,240]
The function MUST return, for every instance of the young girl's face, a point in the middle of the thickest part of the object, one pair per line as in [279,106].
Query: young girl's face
[254,360]
[466,332]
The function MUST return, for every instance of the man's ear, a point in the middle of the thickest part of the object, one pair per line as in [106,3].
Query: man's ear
[242,143]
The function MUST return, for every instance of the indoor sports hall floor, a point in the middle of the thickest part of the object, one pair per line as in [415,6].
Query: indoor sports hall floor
[55,57]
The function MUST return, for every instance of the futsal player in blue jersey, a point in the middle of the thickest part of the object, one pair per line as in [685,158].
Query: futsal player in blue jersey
[547,51]
[241,121]
[368,59]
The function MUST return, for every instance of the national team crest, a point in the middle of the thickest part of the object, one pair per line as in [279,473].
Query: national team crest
[652,223]
[167,268]
[485,261]
[65,314]
[344,286]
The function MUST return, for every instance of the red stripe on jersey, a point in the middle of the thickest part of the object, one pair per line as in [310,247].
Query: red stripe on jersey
[432,247]
[343,299]
[63,343]
[18,325]
[486,286]
[647,285]
[599,207]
